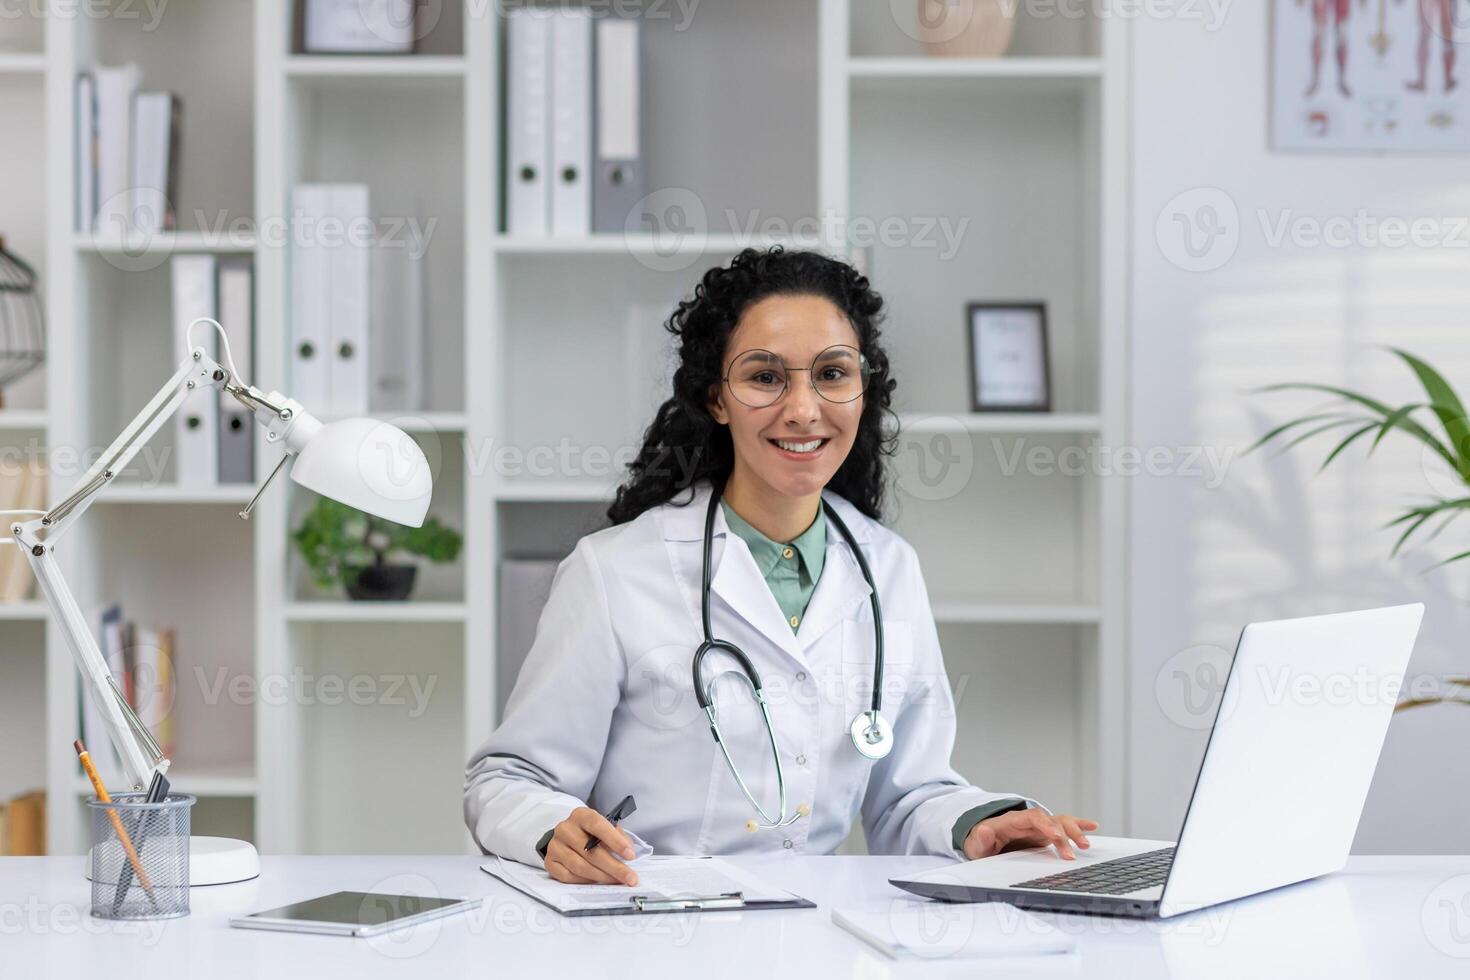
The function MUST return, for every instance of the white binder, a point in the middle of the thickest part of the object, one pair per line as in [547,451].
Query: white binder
[115,90]
[86,151]
[396,344]
[527,138]
[196,426]
[571,122]
[310,298]
[617,179]
[237,316]
[351,264]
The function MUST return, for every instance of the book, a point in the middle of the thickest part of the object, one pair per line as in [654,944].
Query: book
[115,88]
[18,581]
[156,126]
[25,830]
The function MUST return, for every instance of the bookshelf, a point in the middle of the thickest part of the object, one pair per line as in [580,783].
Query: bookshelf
[1025,569]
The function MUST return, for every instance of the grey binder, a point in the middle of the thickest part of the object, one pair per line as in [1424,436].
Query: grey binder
[617,184]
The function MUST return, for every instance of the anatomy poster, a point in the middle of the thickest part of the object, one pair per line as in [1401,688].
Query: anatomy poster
[1369,75]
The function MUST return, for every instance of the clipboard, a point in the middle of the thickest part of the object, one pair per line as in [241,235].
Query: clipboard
[653,904]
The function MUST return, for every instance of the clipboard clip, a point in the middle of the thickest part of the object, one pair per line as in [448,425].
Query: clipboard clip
[692,903]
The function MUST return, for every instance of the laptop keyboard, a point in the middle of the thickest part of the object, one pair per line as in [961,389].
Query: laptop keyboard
[1116,877]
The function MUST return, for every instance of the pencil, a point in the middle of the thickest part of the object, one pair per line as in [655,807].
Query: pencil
[122,834]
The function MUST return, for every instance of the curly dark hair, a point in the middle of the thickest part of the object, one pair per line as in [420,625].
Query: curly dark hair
[684,444]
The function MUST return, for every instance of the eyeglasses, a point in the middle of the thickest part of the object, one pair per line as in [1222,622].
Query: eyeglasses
[758,378]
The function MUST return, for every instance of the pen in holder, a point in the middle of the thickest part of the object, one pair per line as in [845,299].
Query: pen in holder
[139,856]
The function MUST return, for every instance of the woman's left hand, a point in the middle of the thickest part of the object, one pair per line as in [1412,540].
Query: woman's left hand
[1027,828]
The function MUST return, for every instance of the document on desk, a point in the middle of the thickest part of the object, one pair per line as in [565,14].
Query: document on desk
[666,883]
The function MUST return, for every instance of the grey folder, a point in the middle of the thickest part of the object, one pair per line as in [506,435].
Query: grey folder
[617,172]
[236,292]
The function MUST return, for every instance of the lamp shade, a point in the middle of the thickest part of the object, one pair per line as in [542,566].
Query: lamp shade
[370,465]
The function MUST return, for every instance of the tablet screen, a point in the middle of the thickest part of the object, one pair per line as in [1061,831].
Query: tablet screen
[357,908]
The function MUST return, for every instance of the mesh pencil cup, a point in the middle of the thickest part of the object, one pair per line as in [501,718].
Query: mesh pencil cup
[139,858]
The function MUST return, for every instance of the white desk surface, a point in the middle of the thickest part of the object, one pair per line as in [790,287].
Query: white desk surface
[1380,917]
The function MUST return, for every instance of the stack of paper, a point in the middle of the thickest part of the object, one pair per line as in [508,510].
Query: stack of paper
[911,929]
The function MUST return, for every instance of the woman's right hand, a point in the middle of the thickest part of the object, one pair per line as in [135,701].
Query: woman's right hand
[566,857]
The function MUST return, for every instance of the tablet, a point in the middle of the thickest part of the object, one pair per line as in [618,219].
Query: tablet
[355,913]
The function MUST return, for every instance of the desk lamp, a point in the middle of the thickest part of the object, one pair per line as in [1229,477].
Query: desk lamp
[364,463]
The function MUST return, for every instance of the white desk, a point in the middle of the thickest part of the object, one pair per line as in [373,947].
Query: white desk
[1381,917]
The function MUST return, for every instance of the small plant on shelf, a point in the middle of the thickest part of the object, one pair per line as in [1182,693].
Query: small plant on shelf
[343,546]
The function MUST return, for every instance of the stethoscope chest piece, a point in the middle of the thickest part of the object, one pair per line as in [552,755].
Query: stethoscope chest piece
[871,734]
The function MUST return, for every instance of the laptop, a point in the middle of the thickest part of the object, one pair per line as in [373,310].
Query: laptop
[1279,792]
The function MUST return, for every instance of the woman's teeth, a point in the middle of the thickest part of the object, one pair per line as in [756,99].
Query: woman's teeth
[800,447]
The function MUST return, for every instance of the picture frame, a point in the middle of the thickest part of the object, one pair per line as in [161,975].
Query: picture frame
[1009,356]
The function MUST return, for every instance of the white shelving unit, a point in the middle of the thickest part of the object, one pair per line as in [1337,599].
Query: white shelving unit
[845,119]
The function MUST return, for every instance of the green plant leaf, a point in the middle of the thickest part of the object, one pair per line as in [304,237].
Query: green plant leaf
[1293,424]
[1353,420]
[1345,443]
[1446,405]
[1393,421]
[1406,424]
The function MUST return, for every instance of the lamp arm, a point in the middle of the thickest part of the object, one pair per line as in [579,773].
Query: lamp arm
[139,752]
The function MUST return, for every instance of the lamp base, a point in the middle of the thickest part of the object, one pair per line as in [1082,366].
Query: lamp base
[220,860]
[217,861]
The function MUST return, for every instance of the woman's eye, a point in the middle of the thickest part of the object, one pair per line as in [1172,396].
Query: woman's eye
[766,378]
[833,374]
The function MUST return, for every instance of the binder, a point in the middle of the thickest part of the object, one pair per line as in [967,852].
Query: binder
[156,119]
[115,90]
[196,426]
[395,355]
[310,297]
[350,272]
[753,895]
[237,315]
[617,180]
[527,139]
[86,151]
[571,121]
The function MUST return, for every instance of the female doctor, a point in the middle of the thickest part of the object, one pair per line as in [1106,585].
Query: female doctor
[758,491]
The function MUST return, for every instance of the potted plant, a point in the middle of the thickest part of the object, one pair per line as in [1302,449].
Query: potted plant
[1363,415]
[343,546]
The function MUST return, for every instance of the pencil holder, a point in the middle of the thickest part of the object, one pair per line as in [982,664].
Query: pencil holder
[139,857]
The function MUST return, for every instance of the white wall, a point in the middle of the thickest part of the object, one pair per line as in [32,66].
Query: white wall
[1273,540]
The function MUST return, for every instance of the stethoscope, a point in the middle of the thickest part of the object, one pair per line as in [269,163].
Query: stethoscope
[871,734]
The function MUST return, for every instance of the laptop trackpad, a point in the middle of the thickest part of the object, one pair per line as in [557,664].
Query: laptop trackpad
[1005,870]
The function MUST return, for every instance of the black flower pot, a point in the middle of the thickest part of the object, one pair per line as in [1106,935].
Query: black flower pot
[379,583]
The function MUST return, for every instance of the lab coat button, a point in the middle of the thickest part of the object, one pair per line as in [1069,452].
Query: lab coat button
[801,760]
[786,843]
[801,675]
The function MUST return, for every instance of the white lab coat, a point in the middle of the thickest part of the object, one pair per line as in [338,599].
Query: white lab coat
[604,705]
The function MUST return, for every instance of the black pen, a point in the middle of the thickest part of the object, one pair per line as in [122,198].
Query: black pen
[613,816]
